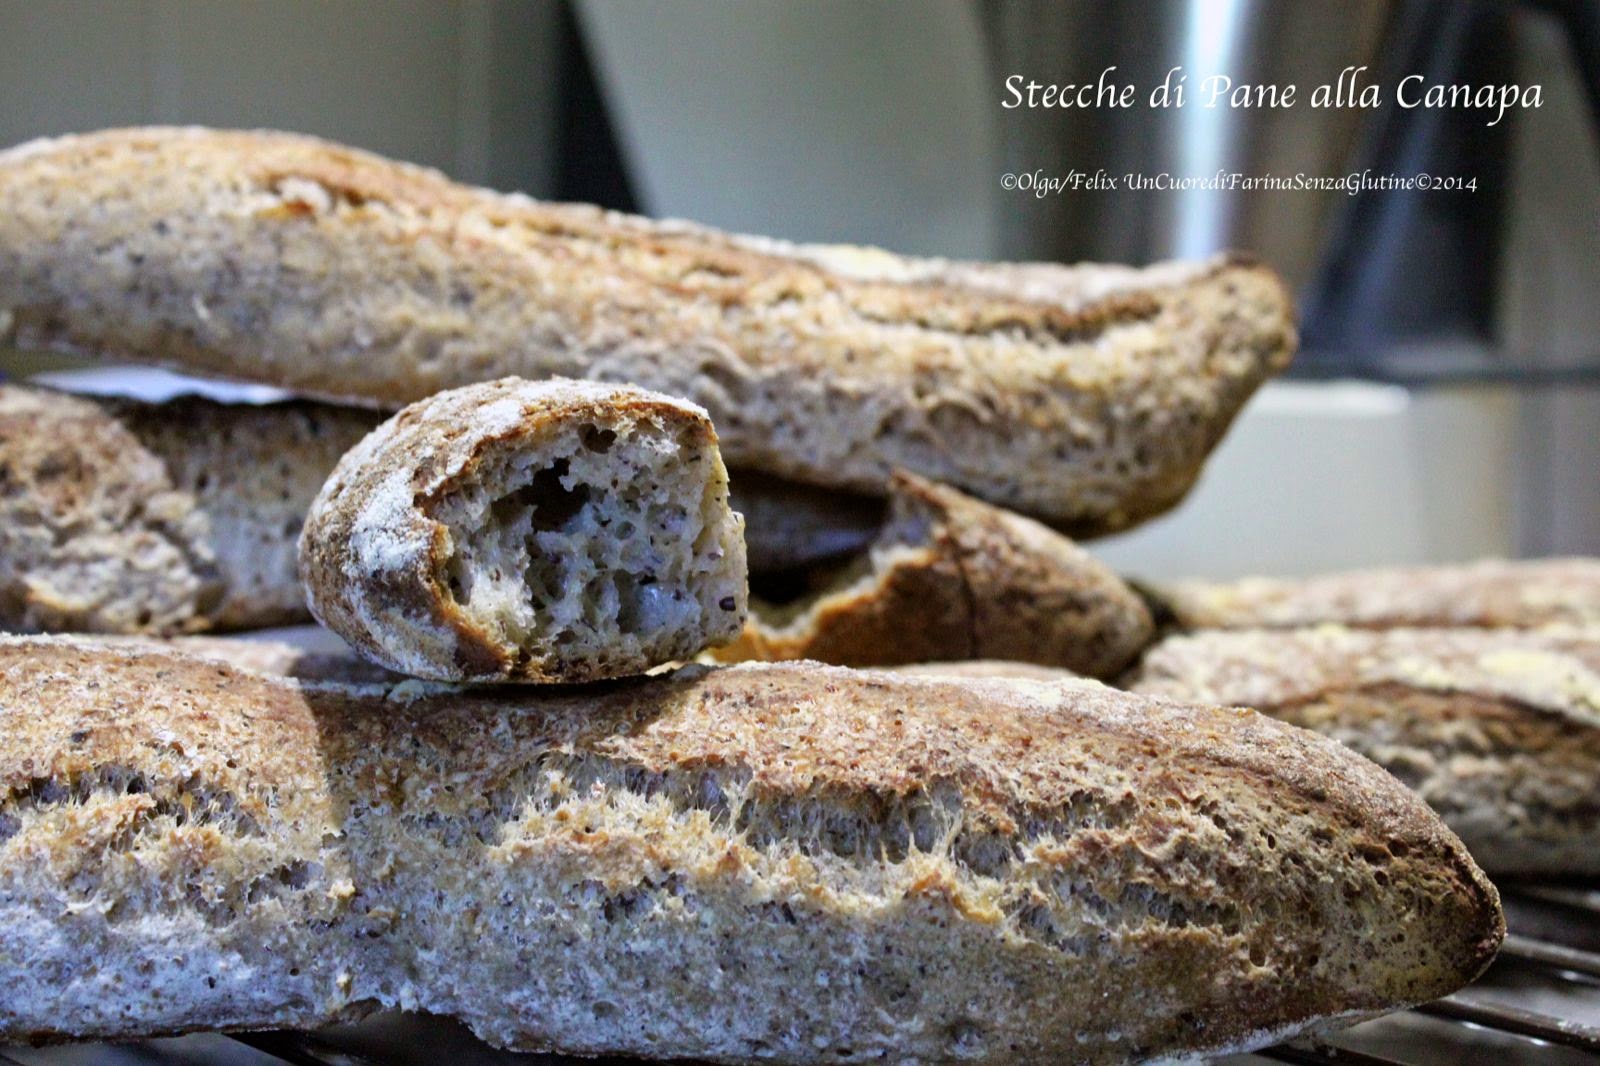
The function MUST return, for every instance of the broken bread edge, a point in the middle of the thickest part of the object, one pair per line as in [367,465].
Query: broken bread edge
[375,552]
[953,578]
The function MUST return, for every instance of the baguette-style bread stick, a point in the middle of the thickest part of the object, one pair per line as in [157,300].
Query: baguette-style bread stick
[1489,594]
[181,517]
[786,862]
[1087,396]
[1499,731]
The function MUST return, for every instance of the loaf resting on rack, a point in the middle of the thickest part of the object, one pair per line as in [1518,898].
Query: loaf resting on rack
[783,862]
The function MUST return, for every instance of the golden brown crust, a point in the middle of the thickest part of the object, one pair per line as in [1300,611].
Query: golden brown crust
[791,861]
[1089,396]
[178,517]
[953,578]
[1499,731]
[1489,594]
[375,550]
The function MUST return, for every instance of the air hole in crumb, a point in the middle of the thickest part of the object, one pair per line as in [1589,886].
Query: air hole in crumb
[967,1037]
[598,440]
[552,504]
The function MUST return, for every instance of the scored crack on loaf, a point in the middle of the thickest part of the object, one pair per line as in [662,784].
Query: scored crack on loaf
[1499,731]
[529,531]
[1088,396]
[788,862]
[951,577]
[178,517]
[1491,593]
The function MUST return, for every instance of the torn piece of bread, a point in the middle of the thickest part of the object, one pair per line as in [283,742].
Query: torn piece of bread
[1489,594]
[529,531]
[124,517]
[774,862]
[1499,731]
[1089,396]
[951,577]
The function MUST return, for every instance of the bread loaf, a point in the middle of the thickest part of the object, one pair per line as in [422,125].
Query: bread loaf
[1489,594]
[126,517]
[951,577]
[791,863]
[1088,396]
[118,516]
[1498,731]
[529,531]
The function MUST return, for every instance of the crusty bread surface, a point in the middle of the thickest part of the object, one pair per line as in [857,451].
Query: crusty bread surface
[529,531]
[1088,396]
[1489,594]
[1499,731]
[953,578]
[278,658]
[784,862]
[180,517]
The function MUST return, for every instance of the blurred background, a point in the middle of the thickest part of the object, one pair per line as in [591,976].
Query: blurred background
[1446,404]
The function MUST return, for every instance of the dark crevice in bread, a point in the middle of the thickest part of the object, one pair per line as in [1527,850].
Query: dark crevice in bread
[949,577]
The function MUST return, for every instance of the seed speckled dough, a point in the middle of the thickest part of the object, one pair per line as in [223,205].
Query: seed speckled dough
[777,862]
[1088,396]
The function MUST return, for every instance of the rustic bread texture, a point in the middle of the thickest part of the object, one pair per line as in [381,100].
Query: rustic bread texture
[951,577]
[789,526]
[1491,593]
[789,862]
[529,531]
[1498,731]
[1086,395]
[125,517]
[274,657]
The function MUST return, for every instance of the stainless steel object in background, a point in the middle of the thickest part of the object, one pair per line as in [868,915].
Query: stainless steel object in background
[1254,41]
[1375,269]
